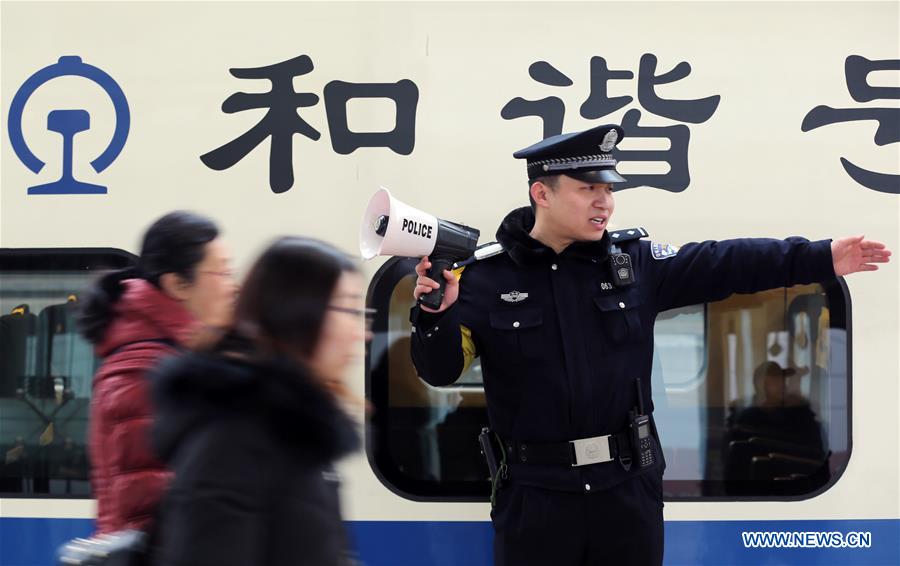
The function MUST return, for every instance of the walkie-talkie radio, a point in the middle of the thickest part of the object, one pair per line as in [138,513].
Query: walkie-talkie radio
[641,443]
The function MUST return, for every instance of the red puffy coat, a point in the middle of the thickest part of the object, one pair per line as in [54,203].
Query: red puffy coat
[126,477]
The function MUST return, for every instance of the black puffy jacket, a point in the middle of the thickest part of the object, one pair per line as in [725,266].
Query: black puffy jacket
[252,446]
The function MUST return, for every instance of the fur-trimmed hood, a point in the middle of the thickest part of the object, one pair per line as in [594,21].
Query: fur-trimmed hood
[192,390]
[514,235]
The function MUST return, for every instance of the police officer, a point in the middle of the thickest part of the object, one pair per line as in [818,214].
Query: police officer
[562,320]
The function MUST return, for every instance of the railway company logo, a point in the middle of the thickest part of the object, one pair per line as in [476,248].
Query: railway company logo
[68,122]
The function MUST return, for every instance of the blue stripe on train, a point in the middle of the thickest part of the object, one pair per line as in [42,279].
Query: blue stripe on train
[32,542]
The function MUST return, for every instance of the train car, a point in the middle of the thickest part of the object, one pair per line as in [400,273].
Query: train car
[777,411]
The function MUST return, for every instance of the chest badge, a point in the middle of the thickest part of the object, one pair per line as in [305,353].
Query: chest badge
[513,297]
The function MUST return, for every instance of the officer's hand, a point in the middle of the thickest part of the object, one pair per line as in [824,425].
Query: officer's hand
[855,253]
[425,284]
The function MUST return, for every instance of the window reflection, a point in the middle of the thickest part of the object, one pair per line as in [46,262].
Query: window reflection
[46,370]
[433,431]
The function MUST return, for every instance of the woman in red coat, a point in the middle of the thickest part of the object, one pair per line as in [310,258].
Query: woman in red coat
[134,317]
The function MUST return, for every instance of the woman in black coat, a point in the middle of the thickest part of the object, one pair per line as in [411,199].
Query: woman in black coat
[252,427]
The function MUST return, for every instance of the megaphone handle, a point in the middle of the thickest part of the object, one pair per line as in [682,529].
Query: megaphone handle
[434,299]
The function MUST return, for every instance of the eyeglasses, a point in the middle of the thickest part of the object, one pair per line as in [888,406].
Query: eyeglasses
[367,314]
[228,274]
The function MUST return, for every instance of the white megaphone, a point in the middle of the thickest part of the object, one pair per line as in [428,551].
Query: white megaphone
[392,227]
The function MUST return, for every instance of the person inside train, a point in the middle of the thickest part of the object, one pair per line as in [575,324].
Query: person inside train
[181,286]
[777,412]
[777,437]
[253,425]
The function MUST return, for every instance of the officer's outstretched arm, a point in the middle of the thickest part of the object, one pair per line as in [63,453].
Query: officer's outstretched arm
[710,271]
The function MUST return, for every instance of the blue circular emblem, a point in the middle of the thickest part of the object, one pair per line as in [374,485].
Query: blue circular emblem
[68,122]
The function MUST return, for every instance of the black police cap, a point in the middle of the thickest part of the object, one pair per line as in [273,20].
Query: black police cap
[586,156]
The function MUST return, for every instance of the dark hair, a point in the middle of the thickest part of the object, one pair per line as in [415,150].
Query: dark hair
[551,181]
[173,244]
[285,296]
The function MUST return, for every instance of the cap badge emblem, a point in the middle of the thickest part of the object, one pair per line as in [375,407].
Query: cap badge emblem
[609,141]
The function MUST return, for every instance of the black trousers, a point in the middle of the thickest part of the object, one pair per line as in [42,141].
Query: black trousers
[619,526]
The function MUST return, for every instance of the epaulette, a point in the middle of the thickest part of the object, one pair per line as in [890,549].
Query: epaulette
[483,251]
[627,235]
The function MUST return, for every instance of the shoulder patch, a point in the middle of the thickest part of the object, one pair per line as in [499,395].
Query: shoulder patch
[663,251]
[627,235]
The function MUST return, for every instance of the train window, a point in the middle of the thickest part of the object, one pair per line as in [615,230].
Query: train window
[424,441]
[751,398]
[768,414]
[46,369]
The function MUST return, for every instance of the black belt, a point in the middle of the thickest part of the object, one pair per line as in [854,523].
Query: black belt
[580,452]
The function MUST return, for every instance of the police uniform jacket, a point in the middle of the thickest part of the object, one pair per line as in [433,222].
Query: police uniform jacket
[561,346]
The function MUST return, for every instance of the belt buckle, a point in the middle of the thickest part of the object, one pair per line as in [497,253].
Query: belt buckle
[592,450]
